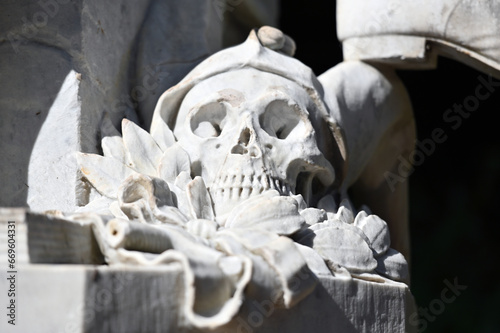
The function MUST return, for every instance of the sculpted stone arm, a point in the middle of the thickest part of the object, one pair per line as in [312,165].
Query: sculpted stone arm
[373,109]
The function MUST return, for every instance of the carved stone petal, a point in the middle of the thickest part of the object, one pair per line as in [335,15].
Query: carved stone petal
[100,205]
[376,230]
[313,215]
[182,179]
[338,224]
[163,135]
[344,247]
[345,215]
[145,198]
[199,199]
[315,262]
[162,193]
[143,151]
[278,214]
[250,202]
[105,174]
[251,239]
[300,201]
[173,215]
[174,161]
[112,146]
[346,212]
[393,265]
[182,200]
[136,198]
[134,188]
[115,209]
[202,228]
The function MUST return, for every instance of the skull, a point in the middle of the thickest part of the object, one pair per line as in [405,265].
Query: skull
[249,131]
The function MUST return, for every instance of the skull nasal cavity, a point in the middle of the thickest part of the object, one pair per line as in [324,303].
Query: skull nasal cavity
[244,137]
[239,150]
[241,147]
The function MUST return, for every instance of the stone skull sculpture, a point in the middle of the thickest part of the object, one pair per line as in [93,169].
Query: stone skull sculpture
[250,124]
[249,131]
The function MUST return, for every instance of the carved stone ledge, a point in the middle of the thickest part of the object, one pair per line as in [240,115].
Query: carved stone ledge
[138,299]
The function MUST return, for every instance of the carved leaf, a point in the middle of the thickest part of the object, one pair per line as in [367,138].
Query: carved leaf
[313,215]
[143,151]
[393,265]
[115,209]
[278,214]
[199,199]
[300,200]
[172,215]
[251,239]
[179,189]
[343,225]
[182,179]
[163,135]
[174,161]
[202,228]
[112,146]
[315,262]
[345,212]
[105,174]
[343,246]
[149,200]
[162,193]
[135,188]
[376,230]
[136,198]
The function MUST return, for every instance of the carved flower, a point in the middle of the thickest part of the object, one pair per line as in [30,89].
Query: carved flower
[360,244]
[148,181]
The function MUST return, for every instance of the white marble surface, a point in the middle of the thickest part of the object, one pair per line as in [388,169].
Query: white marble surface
[126,299]
[411,34]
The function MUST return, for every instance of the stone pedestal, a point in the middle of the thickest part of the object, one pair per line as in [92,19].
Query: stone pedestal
[100,298]
[86,298]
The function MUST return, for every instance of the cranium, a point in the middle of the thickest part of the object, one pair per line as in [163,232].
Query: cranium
[249,131]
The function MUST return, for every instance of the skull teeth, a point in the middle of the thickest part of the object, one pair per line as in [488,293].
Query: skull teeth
[237,187]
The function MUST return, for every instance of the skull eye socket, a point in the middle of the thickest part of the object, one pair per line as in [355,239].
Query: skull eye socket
[281,119]
[208,120]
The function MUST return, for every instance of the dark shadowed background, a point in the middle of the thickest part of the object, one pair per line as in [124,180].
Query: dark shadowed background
[453,193]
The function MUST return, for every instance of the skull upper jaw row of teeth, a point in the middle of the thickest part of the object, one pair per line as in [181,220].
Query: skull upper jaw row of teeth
[230,188]
[241,186]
